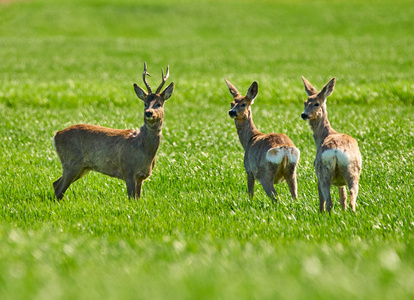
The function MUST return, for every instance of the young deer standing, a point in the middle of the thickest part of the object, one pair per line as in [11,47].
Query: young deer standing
[269,158]
[338,160]
[125,154]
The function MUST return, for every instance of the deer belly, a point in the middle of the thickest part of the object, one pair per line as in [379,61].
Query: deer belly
[112,174]
[107,168]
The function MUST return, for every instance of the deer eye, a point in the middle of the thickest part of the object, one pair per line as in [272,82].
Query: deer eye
[243,105]
[158,105]
[316,104]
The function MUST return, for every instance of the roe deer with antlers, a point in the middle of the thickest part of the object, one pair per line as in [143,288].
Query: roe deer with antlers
[338,160]
[125,154]
[269,158]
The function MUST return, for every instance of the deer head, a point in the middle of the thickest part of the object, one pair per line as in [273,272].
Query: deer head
[154,102]
[241,104]
[315,105]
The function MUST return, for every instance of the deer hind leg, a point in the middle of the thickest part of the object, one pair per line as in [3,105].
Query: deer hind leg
[68,177]
[325,172]
[324,184]
[290,177]
[342,196]
[321,199]
[269,188]
[353,193]
[326,192]
[250,184]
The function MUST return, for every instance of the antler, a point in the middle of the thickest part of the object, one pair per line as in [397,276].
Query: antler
[164,79]
[143,78]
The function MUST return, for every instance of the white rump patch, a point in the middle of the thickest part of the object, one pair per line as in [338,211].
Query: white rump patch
[276,155]
[293,155]
[342,157]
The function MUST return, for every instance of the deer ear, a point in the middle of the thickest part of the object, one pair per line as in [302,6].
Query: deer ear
[252,92]
[233,91]
[166,94]
[328,89]
[140,92]
[310,90]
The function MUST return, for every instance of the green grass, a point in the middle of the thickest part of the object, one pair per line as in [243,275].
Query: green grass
[195,233]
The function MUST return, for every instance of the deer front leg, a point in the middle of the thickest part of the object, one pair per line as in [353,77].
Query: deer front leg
[138,186]
[130,183]
[250,184]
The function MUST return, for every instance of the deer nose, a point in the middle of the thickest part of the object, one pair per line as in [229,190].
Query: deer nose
[148,114]
[232,113]
[304,116]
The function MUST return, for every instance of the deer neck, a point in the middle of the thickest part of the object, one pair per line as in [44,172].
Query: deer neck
[246,129]
[321,128]
[151,137]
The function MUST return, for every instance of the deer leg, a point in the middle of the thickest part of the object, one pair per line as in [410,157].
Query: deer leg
[353,193]
[269,188]
[138,186]
[290,178]
[326,192]
[321,199]
[130,183]
[61,185]
[325,173]
[325,188]
[250,184]
[342,196]
[56,187]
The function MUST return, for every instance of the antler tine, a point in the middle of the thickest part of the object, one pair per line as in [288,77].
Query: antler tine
[164,79]
[145,80]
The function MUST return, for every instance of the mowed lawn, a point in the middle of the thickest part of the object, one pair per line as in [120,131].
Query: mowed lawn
[195,234]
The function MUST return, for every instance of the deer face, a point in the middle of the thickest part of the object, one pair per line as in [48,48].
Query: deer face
[239,107]
[315,105]
[241,104]
[153,109]
[313,108]
[154,102]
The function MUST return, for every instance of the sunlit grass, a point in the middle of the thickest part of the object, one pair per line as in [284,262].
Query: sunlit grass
[195,233]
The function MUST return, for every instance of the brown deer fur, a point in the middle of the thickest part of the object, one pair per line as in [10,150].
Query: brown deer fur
[269,158]
[338,160]
[125,154]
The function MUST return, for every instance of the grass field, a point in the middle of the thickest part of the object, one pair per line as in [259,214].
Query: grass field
[195,234]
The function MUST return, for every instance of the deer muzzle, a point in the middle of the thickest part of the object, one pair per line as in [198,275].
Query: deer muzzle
[232,114]
[148,114]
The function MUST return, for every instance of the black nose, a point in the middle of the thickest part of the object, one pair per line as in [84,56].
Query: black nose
[304,116]
[148,114]
[232,113]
